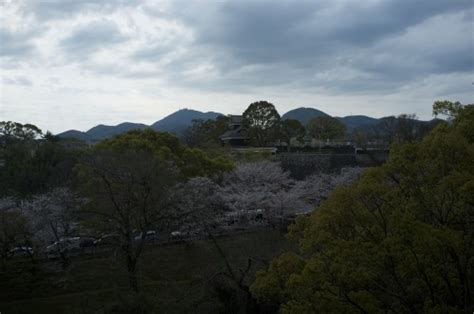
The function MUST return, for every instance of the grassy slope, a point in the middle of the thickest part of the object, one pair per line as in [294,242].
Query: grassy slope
[173,278]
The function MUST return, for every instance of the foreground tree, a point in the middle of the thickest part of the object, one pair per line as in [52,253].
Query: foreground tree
[129,179]
[261,120]
[398,240]
[447,108]
[128,197]
[14,233]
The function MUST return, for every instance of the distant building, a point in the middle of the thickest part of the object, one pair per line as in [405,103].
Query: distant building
[236,136]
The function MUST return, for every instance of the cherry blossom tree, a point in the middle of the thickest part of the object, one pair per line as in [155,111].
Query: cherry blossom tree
[51,217]
[264,185]
[316,188]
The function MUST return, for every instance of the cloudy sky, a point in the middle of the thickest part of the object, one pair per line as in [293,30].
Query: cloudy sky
[76,63]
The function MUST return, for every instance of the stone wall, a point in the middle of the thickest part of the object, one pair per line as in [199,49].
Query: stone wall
[303,165]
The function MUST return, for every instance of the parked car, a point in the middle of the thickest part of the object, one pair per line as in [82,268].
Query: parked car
[107,239]
[21,251]
[149,235]
[63,245]
[177,234]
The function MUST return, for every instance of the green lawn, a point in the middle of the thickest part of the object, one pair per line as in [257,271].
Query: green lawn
[173,278]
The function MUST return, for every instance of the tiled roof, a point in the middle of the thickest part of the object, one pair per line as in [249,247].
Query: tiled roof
[233,134]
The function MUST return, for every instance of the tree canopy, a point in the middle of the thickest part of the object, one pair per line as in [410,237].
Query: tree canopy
[447,108]
[291,128]
[30,165]
[10,131]
[398,240]
[191,162]
[128,181]
[261,120]
[206,134]
[324,128]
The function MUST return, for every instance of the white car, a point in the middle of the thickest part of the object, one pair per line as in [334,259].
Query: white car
[107,239]
[149,235]
[64,244]
[21,251]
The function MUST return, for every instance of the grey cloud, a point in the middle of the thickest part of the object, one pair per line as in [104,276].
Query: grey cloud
[17,80]
[305,38]
[15,44]
[62,9]
[91,37]
[272,31]
[333,45]
[151,53]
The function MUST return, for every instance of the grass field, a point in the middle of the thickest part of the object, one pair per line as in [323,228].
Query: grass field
[173,278]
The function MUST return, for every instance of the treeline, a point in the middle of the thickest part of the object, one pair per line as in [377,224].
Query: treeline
[263,126]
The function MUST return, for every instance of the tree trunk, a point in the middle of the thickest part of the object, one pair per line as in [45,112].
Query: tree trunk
[132,273]
[63,256]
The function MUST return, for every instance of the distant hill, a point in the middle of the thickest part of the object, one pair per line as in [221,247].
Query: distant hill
[353,122]
[176,123]
[101,131]
[179,121]
[304,115]
[75,134]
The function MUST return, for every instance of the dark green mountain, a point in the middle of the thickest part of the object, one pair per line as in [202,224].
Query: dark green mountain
[104,131]
[304,115]
[176,123]
[75,134]
[353,122]
[179,121]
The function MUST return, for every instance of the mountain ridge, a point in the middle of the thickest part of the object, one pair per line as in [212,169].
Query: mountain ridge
[178,121]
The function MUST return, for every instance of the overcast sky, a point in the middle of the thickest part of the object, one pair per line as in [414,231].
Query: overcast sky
[72,64]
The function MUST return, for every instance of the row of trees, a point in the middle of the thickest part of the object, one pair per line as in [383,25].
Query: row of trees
[263,125]
[399,240]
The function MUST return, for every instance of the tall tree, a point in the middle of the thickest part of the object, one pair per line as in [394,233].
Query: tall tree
[399,240]
[261,120]
[290,129]
[30,166]
[447,108]
[206,134]
[128,197]
[409,128]
[128,180]
[11,131]
[14,232]
[326,128]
